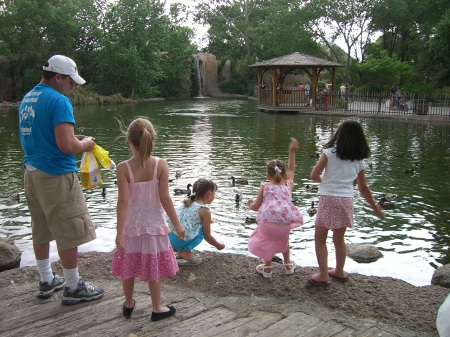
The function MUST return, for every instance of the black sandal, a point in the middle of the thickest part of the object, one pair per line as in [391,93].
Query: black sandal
[127,311]
[157,316]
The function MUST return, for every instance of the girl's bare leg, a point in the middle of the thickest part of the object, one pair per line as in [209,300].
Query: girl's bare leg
[341,253]
[155,293]
[128,288]
[186,254]
[320,238]
[287,257]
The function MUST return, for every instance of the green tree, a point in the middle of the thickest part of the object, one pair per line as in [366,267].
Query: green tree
[230,23]
[438,50]
[381,70]
[350,21]
[143,52]
[33,30]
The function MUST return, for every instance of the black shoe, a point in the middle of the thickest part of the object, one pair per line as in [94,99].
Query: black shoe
[157,316]
[127,311]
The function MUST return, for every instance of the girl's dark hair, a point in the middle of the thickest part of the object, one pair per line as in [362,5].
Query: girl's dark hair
[349,141]
[200,188]
[276,169]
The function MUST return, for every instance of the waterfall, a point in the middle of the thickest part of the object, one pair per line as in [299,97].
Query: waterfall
[198,78]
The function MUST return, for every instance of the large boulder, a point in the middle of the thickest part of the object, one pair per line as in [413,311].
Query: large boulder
[10,255]
[363,253]
[441,276]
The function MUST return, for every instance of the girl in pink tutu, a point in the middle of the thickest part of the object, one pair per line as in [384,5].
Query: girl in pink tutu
[143,247]
[343,161]
[277,215]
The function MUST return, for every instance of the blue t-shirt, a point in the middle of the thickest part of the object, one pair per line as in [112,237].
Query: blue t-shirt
[40,111]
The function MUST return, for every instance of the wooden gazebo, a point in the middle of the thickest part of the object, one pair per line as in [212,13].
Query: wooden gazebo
[276,98]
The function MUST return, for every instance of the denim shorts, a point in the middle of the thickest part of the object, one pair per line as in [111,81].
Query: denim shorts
[58,209]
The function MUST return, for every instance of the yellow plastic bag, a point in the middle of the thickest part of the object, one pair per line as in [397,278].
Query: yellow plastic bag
[103,157]
[89,171]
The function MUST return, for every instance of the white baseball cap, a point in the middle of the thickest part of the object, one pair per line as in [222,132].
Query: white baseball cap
[65,66]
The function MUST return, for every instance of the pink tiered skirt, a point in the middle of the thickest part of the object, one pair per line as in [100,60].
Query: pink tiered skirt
[148,257]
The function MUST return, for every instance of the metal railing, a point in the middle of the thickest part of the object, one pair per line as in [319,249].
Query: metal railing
[373,103]
[406,104]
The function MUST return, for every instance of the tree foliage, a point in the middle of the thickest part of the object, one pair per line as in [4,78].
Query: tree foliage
[130,47]
[380,70]
[137,49]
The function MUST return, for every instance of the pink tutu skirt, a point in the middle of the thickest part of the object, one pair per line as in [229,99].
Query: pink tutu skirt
[148,257]
[334,212]
[268,239]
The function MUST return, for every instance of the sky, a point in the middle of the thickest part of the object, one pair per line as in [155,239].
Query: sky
[200,31]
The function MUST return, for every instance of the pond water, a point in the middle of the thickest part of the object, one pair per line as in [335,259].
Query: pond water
[220,138]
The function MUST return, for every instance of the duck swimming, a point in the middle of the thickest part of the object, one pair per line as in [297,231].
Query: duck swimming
[250,219]
[238,181]
[387,204]
[388,197]
[238,197]
[15,196]
[312,210]
[311,189]
[182,191]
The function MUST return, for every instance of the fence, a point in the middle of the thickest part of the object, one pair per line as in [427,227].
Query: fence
[406,104]
[378,103]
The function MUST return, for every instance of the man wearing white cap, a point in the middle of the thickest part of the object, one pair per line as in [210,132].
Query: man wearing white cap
[52,189]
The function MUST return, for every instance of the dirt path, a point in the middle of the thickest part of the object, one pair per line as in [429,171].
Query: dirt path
[224,293]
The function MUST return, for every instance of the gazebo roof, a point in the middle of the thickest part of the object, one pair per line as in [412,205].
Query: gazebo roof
[296,60]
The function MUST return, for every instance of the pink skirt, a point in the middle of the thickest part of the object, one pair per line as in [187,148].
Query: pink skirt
[268,239]
[334,212]
[148,257]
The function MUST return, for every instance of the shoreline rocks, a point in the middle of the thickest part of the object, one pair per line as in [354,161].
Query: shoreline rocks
[10,255]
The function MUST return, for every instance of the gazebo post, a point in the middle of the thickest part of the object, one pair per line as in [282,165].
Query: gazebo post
[333,84]
[315,78]
[273,72]
[260,79]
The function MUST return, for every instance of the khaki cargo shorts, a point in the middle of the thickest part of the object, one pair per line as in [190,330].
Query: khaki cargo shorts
[58,209]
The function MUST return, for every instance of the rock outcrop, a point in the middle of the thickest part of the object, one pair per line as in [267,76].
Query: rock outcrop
[363,253]
[10,255]
[441,276]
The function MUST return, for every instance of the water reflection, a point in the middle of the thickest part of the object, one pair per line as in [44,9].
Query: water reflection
[218,139]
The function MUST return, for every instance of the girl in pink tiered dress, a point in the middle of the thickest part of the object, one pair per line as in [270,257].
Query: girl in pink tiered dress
[143,247]
[277,215]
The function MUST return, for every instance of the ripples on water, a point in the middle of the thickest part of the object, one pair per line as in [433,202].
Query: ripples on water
[218,139]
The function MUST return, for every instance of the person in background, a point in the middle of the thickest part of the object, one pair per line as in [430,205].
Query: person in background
[307,91]
[342,91]
[195,217]
[351,90]
[143,248]
[277,215]
[393,91]
[55,200]
[341,162]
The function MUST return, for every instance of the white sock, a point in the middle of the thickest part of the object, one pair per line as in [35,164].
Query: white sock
[72,277]
[45,270]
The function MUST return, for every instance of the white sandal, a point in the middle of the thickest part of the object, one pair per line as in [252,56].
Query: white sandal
[260,269]
[292,270]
